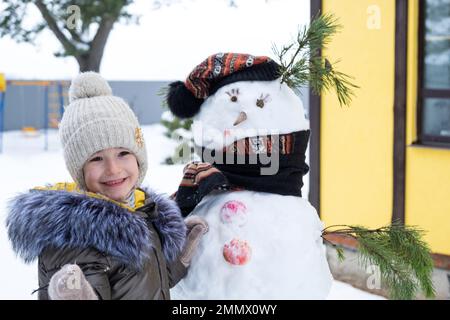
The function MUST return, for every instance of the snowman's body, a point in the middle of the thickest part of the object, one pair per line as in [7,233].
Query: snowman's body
[286,256]
[260,245]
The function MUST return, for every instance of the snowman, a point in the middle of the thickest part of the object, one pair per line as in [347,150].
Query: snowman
[264,239]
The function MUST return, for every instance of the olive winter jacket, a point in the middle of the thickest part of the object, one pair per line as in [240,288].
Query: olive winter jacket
[124,253]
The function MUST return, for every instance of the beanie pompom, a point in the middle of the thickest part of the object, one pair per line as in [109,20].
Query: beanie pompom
[181,101]
[87,85]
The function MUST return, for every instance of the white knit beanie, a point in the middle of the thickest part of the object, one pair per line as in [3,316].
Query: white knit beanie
[95,120]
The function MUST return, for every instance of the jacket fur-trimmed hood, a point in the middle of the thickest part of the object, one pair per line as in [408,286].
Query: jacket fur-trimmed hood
[41,218]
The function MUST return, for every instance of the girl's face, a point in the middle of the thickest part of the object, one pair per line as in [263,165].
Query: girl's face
[111,172]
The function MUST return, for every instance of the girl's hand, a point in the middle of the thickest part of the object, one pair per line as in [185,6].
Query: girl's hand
[196,228]
[69,283]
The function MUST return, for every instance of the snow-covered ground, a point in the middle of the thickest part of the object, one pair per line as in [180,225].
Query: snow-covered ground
[24,164]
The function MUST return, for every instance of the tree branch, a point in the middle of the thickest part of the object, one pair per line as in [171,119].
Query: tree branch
[68,46]
[75,36]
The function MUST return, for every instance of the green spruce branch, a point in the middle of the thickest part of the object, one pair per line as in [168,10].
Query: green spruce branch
[178,156]
[301,62]
[403,258]
[162,92]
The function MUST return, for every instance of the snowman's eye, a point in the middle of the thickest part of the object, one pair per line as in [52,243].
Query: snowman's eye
[262,100]
[233,94]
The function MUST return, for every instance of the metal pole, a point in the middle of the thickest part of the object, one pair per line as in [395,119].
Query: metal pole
[46,116]
[2,104]
[61,100]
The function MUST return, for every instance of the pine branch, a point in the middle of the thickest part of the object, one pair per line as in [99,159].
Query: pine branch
[162,92]
[339,250]
[172,124]
[301,63]
[403,257]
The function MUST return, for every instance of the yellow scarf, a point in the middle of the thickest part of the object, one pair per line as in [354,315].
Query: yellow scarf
[139,195]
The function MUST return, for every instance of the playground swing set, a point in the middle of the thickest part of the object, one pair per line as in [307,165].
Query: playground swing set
[55,95]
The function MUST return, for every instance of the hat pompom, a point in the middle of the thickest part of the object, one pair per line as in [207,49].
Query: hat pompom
[87,85]
[181,101]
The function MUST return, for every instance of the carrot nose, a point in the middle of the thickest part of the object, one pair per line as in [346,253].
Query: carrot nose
[242,117]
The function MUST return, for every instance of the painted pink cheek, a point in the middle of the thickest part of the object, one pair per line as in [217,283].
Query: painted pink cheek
[234,212]
[237,252]
[227,132]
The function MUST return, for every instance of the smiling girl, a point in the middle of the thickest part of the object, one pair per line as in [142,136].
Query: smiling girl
[112,172]
[102,236]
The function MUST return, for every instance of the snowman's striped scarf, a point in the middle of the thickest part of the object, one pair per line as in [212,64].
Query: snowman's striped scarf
[201,178]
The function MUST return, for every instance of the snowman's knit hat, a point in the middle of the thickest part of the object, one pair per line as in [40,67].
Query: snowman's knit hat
[185,98]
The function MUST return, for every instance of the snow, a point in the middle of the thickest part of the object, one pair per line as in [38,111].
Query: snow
[182,134]
[167,116]
[24,164]
[279,240]
[344,291]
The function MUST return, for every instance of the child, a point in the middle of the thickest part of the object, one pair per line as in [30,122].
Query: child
[102,237]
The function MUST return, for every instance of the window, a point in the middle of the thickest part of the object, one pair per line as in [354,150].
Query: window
[434,73]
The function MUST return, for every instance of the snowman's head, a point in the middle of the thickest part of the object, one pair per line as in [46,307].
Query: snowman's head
[247,109]
[233,96]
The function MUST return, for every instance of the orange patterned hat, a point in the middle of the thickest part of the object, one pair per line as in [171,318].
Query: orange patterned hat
[185,98]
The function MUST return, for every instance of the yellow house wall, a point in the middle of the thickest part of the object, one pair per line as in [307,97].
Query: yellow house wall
[357,141]
[427,169]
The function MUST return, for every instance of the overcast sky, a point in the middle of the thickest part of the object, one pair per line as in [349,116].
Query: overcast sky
[168,42]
